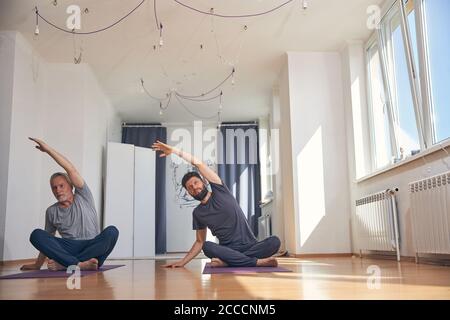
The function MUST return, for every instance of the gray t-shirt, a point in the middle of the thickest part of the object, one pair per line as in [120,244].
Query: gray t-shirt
[77,222]
[224,217]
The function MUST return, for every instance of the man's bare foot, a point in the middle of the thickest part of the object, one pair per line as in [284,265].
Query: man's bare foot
[217,263]
[91,264]
[267,262]
[52,265]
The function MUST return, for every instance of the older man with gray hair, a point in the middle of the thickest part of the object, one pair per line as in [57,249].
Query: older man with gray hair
[75,218]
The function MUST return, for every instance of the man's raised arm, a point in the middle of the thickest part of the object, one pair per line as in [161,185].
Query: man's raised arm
[72,172]
[205,171]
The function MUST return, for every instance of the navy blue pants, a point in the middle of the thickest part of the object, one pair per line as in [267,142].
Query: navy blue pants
[245,255]
[68,252]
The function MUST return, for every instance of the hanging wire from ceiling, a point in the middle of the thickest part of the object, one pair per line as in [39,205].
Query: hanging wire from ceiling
[158,23]
[201,100]
[77,57]
[231,75]
[39,16]
[200,97]
[197,115]
[159,26]
[192,98]
[212,13]
[144,89]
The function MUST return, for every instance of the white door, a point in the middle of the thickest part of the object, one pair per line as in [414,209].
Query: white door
[144,202]
[119,196]
[130,199]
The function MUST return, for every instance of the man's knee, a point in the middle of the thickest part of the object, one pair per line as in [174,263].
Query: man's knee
[111,232]
[275,242]
[208,248]
[37,235]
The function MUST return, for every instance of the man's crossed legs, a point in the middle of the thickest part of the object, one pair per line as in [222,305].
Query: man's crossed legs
[87,254]
[258,254]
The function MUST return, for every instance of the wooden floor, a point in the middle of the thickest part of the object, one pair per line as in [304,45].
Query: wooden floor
[318,278]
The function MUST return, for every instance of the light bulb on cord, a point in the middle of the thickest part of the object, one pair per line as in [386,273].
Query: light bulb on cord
[305,4]
[232,77]
[142,86]
[161,42]
[218,120]
[36,31]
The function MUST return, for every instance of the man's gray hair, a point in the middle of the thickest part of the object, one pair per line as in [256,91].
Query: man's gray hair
[61,174]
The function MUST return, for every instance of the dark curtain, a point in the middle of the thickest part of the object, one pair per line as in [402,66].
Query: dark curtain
[239,167]
[144,136]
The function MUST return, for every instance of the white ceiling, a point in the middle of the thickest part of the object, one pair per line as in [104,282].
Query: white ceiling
[122,55]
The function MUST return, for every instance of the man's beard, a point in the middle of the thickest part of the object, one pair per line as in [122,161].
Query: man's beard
[201,195]
[62,198]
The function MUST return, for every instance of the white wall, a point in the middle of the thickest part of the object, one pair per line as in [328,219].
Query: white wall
[63,104]
[314,164]
[7,53]
[62,123]
[264,153]
[356,119]
[277,217]
[284,193]
[101,125]
[180,235]
[24,171]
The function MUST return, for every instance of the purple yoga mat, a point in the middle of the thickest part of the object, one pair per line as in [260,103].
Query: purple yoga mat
[55,274]
[242,270]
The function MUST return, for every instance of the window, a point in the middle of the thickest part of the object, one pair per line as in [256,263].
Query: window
[402,98]
[408,68]
[437,26]
[394,121]
[412,29]
[378,110]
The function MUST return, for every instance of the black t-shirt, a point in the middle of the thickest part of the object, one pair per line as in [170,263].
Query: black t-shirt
[224,217]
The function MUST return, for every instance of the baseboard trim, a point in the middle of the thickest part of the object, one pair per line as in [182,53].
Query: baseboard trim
[321,255]
[12,262]
[384,256]
[439,260]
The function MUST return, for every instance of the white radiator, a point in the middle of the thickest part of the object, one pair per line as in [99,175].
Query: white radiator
[377,224]
[264,222]
[430,208]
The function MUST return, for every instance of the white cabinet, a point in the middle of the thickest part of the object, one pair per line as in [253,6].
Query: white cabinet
[130,199]
[144,203]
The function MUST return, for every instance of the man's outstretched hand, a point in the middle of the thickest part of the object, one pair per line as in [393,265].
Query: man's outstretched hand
[165,149]
[177,264]
[41,145]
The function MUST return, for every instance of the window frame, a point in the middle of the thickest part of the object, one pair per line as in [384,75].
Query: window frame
[420,86]
[425,76]
[426,79]
[412,72]
[373,41]
[397,10]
